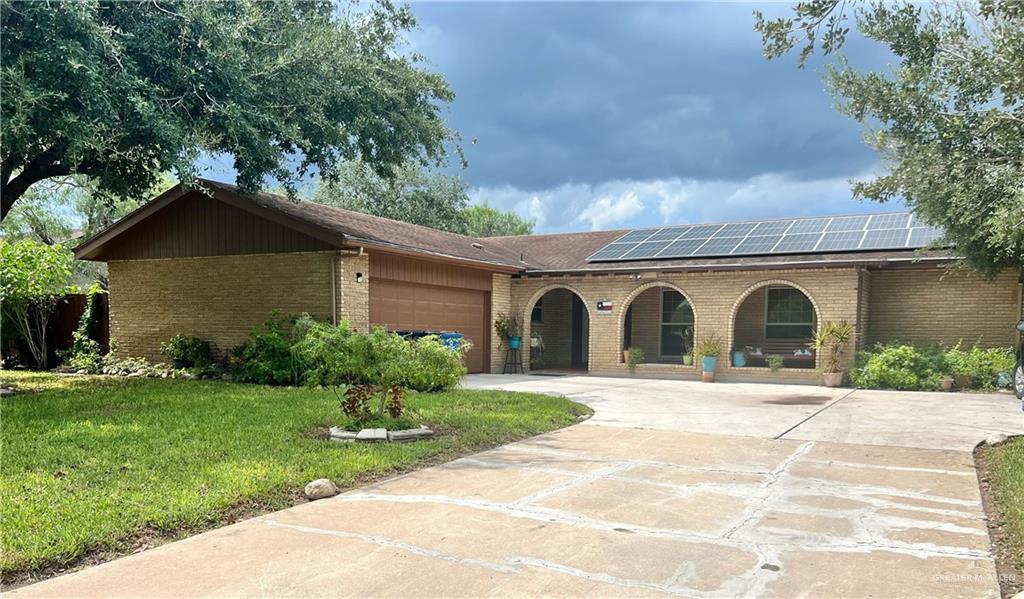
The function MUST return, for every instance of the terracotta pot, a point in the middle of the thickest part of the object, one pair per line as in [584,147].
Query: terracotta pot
[833,379]
[625,356]
[946,383]
[962,381]
[708,376]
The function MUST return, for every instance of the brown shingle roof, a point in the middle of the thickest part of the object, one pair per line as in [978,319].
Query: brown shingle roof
[553,253]
[358,227]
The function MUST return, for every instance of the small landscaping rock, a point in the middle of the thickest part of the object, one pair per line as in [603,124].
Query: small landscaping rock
[319,489]
[340,434]
[995,439]
[372,434]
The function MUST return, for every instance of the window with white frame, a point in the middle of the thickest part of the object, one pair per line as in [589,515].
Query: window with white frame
[676,324]
[789,314]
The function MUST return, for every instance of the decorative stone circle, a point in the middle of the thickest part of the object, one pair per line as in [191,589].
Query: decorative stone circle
[379,435]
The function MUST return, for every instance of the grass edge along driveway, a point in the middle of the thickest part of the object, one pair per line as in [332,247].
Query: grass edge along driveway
[93,465]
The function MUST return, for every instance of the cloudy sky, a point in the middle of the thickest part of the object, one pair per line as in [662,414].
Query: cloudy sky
[611,115]
[607,115]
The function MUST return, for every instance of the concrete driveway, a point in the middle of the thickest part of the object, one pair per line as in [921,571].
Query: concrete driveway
[673,488]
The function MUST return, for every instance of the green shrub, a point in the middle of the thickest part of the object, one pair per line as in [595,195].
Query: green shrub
[906,367]
[979,368]
[433,366]
[266,358]
[896,366]
[85,352]
[369,373]
[193,351]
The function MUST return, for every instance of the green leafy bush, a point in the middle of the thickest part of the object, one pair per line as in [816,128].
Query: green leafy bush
[432,366]
[907,367]
[33,277]
[193,351]
[370,373]
[85,352]
[979,368]
[266,358]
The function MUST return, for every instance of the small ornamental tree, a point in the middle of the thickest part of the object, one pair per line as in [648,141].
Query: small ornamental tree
[33,276]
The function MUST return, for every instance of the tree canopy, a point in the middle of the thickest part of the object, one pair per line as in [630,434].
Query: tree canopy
[416,195]
[948,119]
[122,92]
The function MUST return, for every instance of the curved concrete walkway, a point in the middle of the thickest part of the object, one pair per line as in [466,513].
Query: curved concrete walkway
[673,488]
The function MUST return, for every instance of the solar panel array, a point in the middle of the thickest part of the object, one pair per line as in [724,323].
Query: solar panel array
[889,231]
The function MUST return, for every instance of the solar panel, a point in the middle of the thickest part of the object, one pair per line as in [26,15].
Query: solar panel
[922,236]
[800,235]
[669,234]
[885,239]
[719,246]
[772,227]
[808,225]
[839,240]
[801,242]
[636,235]
[682,248]
[647,249]
[700,231]
[888,221]
[735,230]
[613,251]
[848,223]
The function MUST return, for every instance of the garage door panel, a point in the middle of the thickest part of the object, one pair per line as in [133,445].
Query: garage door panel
[409,306]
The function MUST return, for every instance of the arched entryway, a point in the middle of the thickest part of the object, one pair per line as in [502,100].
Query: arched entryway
[556,330]
[774,318]
[659,320]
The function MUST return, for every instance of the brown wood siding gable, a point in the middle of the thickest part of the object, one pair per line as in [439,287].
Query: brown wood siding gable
[196,225]
[425,272]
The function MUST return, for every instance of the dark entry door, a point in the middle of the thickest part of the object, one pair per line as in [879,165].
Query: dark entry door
[577,332]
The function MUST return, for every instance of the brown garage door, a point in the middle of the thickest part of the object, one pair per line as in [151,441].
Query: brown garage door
[409,306]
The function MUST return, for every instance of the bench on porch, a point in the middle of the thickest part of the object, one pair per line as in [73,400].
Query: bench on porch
[782,347]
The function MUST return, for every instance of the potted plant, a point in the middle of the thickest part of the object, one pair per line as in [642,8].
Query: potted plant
[739,358]
[946,383]
[709,349]
[634,357]
[832,339]
[774,362]
[508,328]
[686,336]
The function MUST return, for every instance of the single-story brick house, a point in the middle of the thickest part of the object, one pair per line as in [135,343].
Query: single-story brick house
[216,264]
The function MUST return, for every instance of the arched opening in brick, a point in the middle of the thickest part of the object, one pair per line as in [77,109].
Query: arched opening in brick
[658,321]
[557,330]
[773,324]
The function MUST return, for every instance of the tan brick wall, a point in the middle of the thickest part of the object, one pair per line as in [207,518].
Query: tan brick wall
[931,305]
[501,303]
[353,298]
[219,299]
[714,297]
[864,315]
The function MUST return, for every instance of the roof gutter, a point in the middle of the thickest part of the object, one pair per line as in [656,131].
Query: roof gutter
[422,253]
[737,266]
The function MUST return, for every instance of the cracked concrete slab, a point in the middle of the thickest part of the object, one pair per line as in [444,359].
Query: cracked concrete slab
[599,510]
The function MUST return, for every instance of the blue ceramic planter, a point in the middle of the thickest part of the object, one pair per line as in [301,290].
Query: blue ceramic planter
[739,359]
[515,342]
[708,363]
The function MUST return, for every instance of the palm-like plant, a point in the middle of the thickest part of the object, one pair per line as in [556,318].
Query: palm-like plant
[832,339]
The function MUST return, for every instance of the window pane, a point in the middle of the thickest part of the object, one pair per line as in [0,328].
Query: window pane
[788,331]
[675,308]
[672,339]
[789,306]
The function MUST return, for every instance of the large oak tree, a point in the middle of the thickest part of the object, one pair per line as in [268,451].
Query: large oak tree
[122,92]
[947,117]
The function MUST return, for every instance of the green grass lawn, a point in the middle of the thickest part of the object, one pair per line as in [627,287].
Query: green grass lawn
[92,464]
[1006,462]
